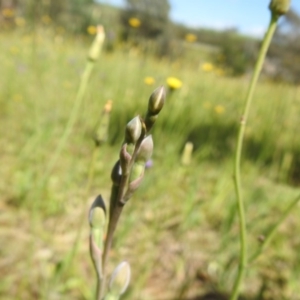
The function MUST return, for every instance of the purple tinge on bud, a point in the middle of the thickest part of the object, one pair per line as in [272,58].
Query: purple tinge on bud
[149,164]
[280,7]
[157,100]
[146,149]
[133,130]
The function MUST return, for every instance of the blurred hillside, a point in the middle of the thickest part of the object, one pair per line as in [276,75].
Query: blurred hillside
[146,25]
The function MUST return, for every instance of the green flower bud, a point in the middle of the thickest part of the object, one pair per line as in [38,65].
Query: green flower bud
[133,130]
[187,153]
[157,100]
[137,171]
[120,279]
[97,213]
[146,149]
[279,7]
[97,44]
[97,217]
[101,130]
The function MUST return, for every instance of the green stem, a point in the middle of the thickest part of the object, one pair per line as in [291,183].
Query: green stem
[273,230]
[115,213]
[237,172]
[72,119]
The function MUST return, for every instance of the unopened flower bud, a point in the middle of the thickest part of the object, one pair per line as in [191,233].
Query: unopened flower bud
[187,154]
[116,173]
[120,279]
[137,172]
[133,130]
[146,149]
[97,217]
[97,44]
[157,100]
[279,7]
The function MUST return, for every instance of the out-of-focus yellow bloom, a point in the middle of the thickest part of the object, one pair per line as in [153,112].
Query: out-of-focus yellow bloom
[149,80]
[14,50]
[108,106]
[46,19]
[191,38]
[219,109]
[134,22]
[92,30]
[18,97]
[20,21]
[174,83]
[207,67]
[8,12]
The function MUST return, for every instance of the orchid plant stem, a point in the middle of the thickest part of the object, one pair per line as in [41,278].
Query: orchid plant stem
[237,172]
[273,230]
[115,213]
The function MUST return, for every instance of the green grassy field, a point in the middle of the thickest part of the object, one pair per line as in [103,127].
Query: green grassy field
[180,230]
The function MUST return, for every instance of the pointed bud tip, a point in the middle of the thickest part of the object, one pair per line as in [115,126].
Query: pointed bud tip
[133,130]
[157,100]
[146,149]
[97,213]
[97,44]
[120,278]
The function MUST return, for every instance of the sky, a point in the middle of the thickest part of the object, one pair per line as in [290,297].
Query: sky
[250,17]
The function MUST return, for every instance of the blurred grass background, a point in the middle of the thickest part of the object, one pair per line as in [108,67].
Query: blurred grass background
[179,232]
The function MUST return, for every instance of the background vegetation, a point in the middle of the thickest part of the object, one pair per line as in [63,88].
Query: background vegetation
[179,232]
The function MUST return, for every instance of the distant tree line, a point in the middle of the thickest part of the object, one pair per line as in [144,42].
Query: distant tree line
[285,50]
[147,22]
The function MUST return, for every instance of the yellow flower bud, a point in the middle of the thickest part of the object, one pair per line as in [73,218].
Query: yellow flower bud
[97,44]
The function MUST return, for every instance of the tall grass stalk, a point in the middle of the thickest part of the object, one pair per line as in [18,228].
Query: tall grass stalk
[273,229]
[92,58]
[237,163]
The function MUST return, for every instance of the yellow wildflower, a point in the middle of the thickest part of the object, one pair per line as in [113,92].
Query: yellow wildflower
[149,80]
[46,19]
[190,37]
[8,12]
[14,50]
[20,21]
[92,30]
[108,106]
[219,109]
[18,97]
[174,83]
[134,22]
[207,67]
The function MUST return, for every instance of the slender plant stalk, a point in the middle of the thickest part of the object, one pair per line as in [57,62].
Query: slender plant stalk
[237,171]
[114,218]
[273,230]
[72,119]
